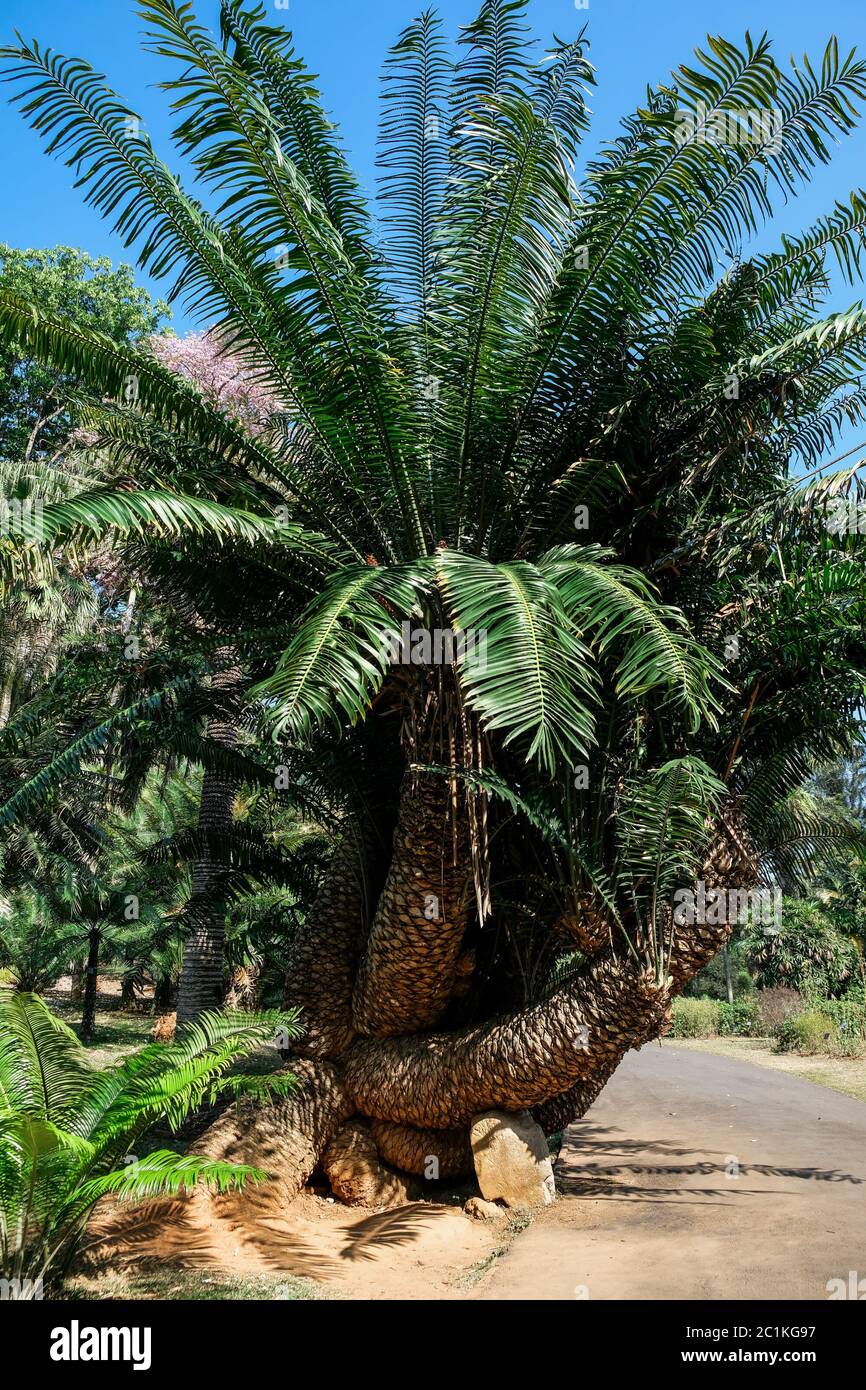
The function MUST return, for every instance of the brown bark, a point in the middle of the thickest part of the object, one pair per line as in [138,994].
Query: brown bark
[322,963]
[411,1149]
[420,1092]
[285,1138]
[91,978]
[357,1176]
[732,863]
[560,1110]
[408,970]
[440,1080]
[201,980]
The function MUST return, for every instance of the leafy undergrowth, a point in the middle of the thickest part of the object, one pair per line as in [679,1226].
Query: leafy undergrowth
[175,1282]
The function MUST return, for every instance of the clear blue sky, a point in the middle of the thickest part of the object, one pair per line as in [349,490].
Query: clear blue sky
[633,42]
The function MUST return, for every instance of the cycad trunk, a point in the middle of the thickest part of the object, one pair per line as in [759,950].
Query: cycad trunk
[370,994]
[201,982]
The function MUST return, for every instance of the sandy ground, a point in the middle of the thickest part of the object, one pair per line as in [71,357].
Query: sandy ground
[420,1251]
[699,1177]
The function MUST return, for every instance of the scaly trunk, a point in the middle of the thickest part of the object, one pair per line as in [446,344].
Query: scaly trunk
[201,980]
[440,1080]
[76,983]
[285,1138]
[88,1013]
[420,1091]
[408,970]
[323,960]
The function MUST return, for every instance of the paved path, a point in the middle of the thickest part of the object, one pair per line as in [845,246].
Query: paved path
[700,1177]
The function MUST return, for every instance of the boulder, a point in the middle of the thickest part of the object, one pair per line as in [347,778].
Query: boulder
[479,1210]
[512,1163]
[356,1173]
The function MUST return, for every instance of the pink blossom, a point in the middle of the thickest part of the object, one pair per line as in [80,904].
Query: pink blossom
[223,378]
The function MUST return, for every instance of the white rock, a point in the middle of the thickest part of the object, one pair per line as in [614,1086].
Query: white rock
[511,1158]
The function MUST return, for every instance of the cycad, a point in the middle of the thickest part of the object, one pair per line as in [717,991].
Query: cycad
[529,359]
[69,1133]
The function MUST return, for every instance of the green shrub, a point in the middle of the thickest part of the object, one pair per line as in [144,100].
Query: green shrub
[849,1016]
[740,1019]
[695,1018]
[816,1031]
[67,1131]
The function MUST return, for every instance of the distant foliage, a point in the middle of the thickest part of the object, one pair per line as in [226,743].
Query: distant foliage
[809,953]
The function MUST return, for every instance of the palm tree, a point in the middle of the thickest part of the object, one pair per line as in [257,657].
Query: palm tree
[528,413]
[68,1133]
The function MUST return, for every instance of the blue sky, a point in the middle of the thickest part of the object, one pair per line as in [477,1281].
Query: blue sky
[632,44]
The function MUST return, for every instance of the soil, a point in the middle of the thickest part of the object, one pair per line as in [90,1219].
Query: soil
[423,1250]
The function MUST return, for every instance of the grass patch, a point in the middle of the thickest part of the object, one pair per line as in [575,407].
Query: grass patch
[194,1286]
[475,1273]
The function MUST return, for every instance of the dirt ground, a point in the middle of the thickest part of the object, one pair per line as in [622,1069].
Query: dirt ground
[317,1249]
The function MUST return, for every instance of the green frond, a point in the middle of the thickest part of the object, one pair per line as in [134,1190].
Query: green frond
[42,1071]
[413,150]
[527,674]
[337,662]
[615,608]
[164,1173]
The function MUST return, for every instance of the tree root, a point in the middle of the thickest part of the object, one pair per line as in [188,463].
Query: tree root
[429,1153]
[286,1138]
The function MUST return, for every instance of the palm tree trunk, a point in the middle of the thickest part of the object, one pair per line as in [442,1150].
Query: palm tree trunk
[76,982]
[323,960]
[729,980]
[408,969]
[421,1090]
[285,1138]
[201,980]
[440,1080]
[88,1014]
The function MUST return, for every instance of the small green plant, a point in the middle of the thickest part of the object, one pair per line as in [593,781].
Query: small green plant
[69,1135]
[35,948]
[695,1018]
[740,1019]
[810,1032]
